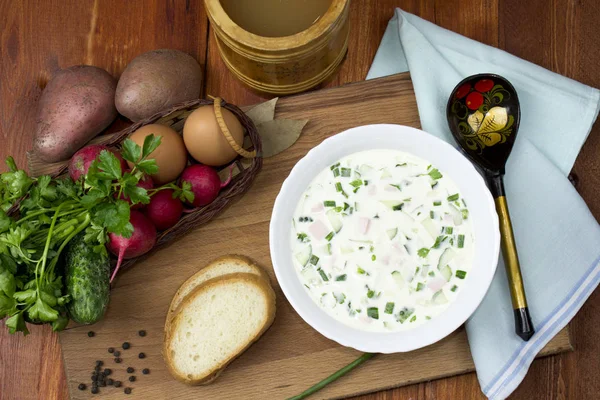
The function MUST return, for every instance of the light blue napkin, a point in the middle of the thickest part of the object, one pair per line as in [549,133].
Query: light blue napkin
[558,239]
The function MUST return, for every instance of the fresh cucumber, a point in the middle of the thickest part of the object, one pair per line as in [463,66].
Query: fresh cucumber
[304,255]
[391,233]
[87,277]
[397,276]
[430,227]
[446,273]
[439,298]
[446,257]
[335,220]
[394,205]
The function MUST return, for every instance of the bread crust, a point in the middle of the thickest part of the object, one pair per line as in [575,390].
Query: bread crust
[178,297]
[211,375]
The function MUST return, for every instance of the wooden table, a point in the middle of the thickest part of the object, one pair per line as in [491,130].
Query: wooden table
[38,37]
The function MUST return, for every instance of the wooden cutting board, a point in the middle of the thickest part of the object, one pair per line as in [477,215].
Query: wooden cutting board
[291,356]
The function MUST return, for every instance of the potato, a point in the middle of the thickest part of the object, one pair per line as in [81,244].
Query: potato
[156,80]
[76,105]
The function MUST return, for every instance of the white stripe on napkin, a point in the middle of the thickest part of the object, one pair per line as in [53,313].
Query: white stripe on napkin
[513,373]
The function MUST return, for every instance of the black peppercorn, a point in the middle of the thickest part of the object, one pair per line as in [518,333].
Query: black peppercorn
[110,382]
[127,391]
[141,355]
[130,370]
[142,333]
[118,360]
[82,386]
[91,334]
[126,345]
[102,384]
[117,383]
[95,390]
[117,353]
[145,371]
[111,349]
[132,378]
[94,377]
[99,363]
[107,371]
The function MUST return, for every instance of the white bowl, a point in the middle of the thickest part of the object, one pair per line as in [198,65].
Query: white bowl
[481,212]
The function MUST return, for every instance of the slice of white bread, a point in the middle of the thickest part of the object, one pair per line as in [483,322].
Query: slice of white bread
[220,266]
[215,323]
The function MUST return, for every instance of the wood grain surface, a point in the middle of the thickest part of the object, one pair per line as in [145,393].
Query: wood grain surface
[37,38]
[291,356]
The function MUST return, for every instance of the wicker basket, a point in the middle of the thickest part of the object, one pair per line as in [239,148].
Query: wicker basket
[175,118]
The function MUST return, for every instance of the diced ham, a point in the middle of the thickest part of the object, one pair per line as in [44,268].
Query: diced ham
[318,229]
[363,225]
[436,284]
[318,207]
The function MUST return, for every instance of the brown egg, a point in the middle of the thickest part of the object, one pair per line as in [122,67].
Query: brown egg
[170,156]
[205,141]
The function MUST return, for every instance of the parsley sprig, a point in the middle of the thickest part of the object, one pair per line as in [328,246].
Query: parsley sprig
[51,212]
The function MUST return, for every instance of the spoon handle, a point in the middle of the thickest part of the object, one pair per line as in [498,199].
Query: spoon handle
[523,325]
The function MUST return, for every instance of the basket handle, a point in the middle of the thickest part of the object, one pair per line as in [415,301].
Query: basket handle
[234,145]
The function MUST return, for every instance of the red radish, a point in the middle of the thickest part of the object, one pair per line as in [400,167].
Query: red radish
[205,182]
[141,241]
[80,163]
[164,211]
[147,183]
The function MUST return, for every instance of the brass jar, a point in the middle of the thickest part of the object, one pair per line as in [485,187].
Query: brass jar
[282,65]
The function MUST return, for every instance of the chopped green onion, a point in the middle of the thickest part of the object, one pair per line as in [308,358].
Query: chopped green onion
[449,230]
[366,182]
[407,199]
[360,271]
[435,174]
[396,186]
[461,241]
[423,252]
[336,172]
[373,312]
[370,293]
[404,314]
[431,215]
[453,197]
[356,183]
[438,241]
[437,203]
[341,278]
[346,172]
[401,165]
[461,274]
[334,166]
[413,319]
[314,260]
[373,257]
[323,275]
[330,236]
[420,286]
[453,288]
[434,184]
[431,273]
[465,213]
[389,308]
[398,207]
[346,206]
[303,237]
[338,187]
[329,203]
[427,317]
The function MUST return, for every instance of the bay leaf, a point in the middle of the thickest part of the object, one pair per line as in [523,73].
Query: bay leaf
[279,134]
[263,112]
